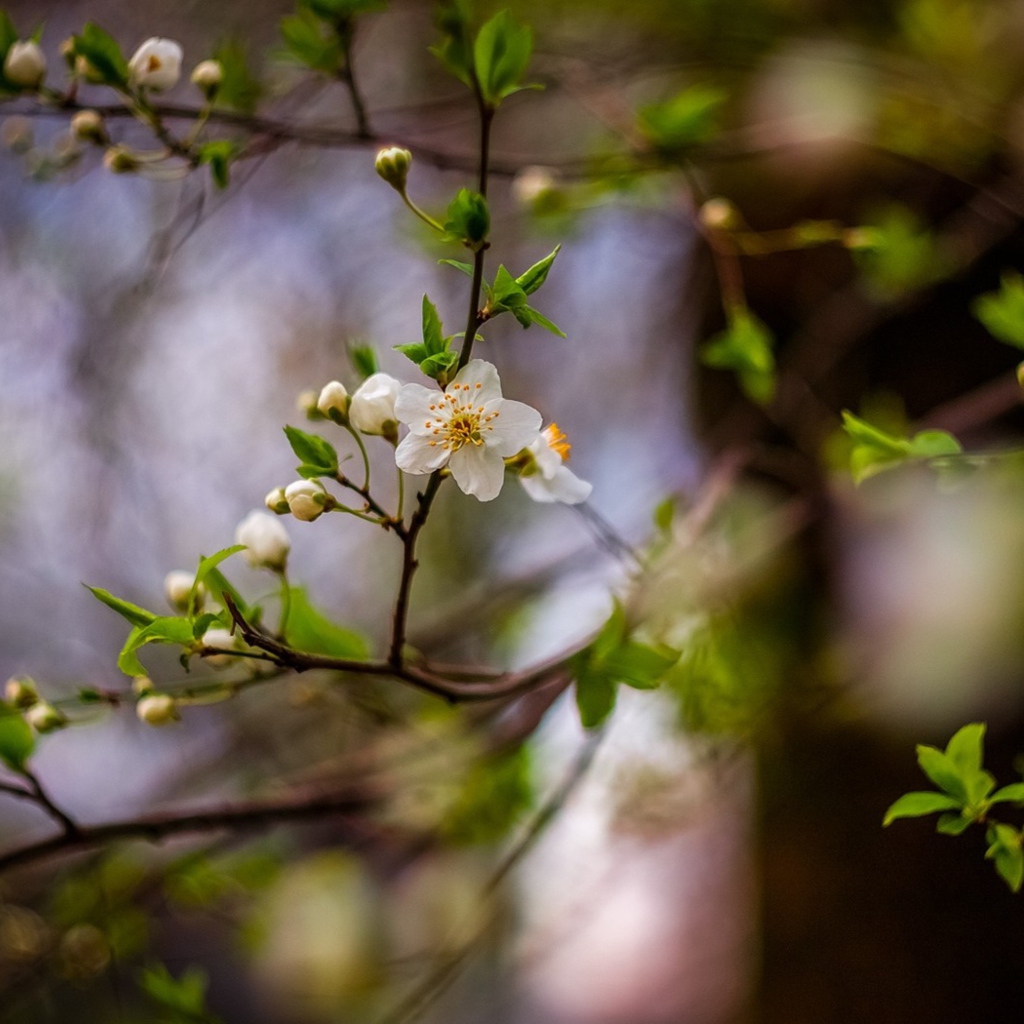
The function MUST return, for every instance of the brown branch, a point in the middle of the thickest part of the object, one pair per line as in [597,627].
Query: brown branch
[43,799]
[154,828]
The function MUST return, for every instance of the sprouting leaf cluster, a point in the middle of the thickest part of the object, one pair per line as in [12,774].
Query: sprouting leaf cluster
[875,450]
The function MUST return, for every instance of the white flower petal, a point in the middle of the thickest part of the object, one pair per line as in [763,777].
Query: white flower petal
[478,470]
[514,428]
[548,460]
[418,455]
[479,371]
[564,486]
[412,407]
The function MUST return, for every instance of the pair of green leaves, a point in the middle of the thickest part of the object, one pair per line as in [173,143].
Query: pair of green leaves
[184,997]
[496,61]
[434,355]
[468,220]
[965,797]
[874,450]
[745,347]
[614,658]
[316,456]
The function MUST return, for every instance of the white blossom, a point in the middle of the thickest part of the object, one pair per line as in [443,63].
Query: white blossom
[266,541]
[468,427]
[156,64]
[372,409]
[306,499]
[25,65]
[543,472]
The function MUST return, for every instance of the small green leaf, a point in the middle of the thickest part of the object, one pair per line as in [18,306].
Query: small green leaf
[218,585]
[185,997]
[103,54]
[1014,793]
[943,771]
[17,740]
[965,748]
[314,452]
[469,219]
[240,89]
[954,824]
[439,365]
[930,444]
[542,321]
[501,56]
[208,563]
[218,154]
[664,514]
[455,50]
[595,696]
[916,805]
[465,268]
[533,278]
[417,352]
[364,359]
[162,630]
[312,43]
[311,631]
[1002,312]
[1005,849]
[745,347]
[688,119]
[132,612]
[639,665]
[8,35]
[433,334]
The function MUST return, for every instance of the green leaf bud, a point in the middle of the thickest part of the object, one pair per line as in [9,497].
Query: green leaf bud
[157,709]
[18,134]
[393,164]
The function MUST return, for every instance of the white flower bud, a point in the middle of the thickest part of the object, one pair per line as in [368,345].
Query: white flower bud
[306,499]
[266,539]
[207,76]
[25,65]
[306,404]
[120,160]
[142,685]
[45,718]
[177,587]
[156,65]
[21,692]
[333,402]
[276,501]
[157,709]
[88,126]
[533,184]
[372,409]
[224,640]
[393,164]
[720,214]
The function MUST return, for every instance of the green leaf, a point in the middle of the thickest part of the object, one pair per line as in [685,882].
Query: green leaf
[466,268]
[162,630]
[1002,312]
[639,665]
[240,89]
[218,585]
[904,255]
[17,740]
[745,347]
[542,321]
[930,444]
[132,612]
[943,771]
[612,634]
[8,35]
[364,359]
[664,514]
[208,563]
[314,452]
[439,365]
[507,291]
[965,749]
[496,794]
[185,995]
[595,696]
[875,450]
[218,154]
[469,219]
[688,119]
[916,805]
[433,334]
[312,43]
[533,278]
[103,53]
[342,11]
[1014,793]
[311,631]
[1005,849]
[954,824]
[455,50]
[501,56]
[417,352]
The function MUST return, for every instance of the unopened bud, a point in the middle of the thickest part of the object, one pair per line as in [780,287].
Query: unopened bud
[393,165]
[88,126]
[25,65]
[719,214]
[224,641]
[307,499]
[67,50]
[18,134]
[207,77]
[178,586]
[120,160]
[142,685]
[333,402]
[372,409]
[84,68]
[306,401]
[158,709]
[266,539]
[533,185]
[45,717]
[277,502]
[21,692]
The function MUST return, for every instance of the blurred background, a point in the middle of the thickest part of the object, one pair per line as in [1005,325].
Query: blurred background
[716,856]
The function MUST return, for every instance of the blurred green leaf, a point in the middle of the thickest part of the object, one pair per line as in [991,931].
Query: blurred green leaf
[916,805]
[218,154]
[595,696]
[184,996]
[1014,793]
[1002,312]
[495,795]
[132,612]
[455,51]
[688,119]
[311,42]
[240,88]
[103,53]
[501,56]
[745,347]
[364,359]
[903,255]
[1005,850]
[311,631]
[17,740]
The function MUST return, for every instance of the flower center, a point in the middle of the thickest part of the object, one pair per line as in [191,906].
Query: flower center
[557,442]
[154,63]
[459,422]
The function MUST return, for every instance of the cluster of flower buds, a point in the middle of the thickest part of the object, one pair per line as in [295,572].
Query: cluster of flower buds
[21,692]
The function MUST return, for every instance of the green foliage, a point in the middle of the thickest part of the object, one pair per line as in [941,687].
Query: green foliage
[501,56]
[180,1000]
[207,564]
[103,54]
[311,631]
[508,294]
[316,456]
[469,219]
[132,612]
[162,630]
[688,119]
[1002,312]
[455,51]
[240,88]
[218,155]
[903,255]
[874,450]
[745,347]
[340,12]
[311,42]
[614,658]
[1005,849]
[364,359]
[495,795]
[8,37]
[17,740]
[434,355]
